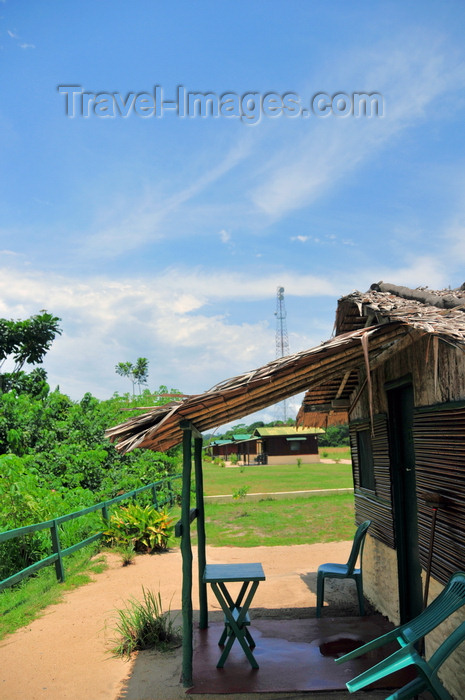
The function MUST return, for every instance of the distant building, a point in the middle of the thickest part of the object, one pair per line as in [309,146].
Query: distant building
[277,445]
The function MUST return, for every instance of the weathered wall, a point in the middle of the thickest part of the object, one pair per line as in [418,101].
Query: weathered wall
[380,578]
[452,673]
[434,380]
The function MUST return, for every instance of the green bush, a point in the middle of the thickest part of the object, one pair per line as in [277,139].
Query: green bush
[25,500]
[55,460]
[240,492]
[143,527]
[335,436]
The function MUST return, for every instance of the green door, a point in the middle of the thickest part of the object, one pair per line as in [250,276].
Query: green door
[402,458]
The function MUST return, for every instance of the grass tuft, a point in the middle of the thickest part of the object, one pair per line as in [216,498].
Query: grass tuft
[144,625]
[127,554]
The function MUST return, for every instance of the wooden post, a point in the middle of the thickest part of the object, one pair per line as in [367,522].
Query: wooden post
[201,539]
[56,548]
[186,551]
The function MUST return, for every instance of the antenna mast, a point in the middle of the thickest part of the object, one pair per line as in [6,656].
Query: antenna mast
[282,339]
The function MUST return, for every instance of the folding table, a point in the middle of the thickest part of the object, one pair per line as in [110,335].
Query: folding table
[235,610]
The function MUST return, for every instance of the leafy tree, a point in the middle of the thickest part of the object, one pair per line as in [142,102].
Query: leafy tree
[25,342]
[257,424]
[335,436]
[34,383]
[64,441]
[242,428]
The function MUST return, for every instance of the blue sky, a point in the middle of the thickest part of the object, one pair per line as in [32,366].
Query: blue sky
[167,236]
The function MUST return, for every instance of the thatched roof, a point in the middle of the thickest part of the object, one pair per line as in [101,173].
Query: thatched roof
[369,327]
[438,313]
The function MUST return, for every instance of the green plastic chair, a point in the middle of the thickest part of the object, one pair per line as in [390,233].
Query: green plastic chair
[427,670]
[448,601]
[344,570]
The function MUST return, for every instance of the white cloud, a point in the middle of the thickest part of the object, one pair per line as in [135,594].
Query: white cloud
[10,252]
[455,226]
[417,271]
[411,82]
[106,321]
[456,235]
[225,236]
[127,223]
[14,35]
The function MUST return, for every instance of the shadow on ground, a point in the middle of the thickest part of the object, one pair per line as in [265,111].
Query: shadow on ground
[295,651]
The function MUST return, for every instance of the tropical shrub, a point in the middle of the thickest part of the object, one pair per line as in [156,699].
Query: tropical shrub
[240,492]
[147,529]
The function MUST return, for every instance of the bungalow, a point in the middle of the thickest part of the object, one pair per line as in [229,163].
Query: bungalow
[240,444]
[274,445]
[395,371]
[286,444]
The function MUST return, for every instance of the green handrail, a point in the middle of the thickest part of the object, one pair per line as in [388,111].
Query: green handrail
[53,525]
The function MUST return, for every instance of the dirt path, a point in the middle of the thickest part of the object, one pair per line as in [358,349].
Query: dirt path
[64,654]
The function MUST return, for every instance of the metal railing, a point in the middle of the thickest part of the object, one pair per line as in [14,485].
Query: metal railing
[159,499]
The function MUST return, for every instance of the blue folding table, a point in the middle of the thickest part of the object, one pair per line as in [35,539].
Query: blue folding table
[236,617]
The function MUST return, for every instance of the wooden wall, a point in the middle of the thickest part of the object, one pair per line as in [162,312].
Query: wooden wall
[374,505]
[275,445]
[439,440]
[438,377]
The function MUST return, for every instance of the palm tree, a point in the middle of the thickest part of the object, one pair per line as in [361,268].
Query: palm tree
[137,374]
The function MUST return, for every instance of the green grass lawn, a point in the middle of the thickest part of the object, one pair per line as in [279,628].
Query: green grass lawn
[280,522]
[273,521]
[265,478]
[334,452]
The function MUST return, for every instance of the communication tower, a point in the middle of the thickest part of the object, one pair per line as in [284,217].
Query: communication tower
[282,340]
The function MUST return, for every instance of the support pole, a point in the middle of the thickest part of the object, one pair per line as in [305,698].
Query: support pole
[201,539]
[430,557]
[186,551]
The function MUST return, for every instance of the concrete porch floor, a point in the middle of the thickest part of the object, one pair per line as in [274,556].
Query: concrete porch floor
[295,656]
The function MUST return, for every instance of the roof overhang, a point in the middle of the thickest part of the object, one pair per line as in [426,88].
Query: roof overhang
[328,373]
